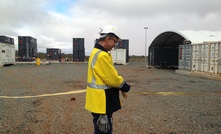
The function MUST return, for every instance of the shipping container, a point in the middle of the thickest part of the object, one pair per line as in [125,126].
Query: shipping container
[78,50]
[81,56]
[205,58]
[214,57]
[118,56]
[124,44]
[196,57]
[200,58]
[78,44]
[7,54]
[27,48]
[185,57]
[53,54]
[5,39]
[78,56]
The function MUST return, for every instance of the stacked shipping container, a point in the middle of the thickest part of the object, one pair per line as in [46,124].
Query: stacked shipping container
[204,58]
[27,48]
[78,50]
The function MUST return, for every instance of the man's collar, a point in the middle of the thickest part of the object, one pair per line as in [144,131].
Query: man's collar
[100,47]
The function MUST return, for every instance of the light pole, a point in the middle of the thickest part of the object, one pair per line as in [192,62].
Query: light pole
[145,28]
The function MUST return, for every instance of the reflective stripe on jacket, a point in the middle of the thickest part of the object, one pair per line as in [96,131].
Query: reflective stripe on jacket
[103,83]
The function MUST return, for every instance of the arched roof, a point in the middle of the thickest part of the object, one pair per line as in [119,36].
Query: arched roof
[172,39]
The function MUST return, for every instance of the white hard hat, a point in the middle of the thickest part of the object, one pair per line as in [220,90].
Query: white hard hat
[109,29]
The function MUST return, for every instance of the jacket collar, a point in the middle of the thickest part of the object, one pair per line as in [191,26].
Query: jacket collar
[100,47]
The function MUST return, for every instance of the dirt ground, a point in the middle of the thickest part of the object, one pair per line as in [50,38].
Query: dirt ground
[160,101]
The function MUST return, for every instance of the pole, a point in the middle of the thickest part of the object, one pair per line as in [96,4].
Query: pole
[145,28]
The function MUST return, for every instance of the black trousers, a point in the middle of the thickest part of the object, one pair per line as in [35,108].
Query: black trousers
[96,129]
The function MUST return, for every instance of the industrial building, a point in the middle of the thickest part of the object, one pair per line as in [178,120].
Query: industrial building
[53,54]
[27,48]
[78,50]
[195,51]
[7,51]
[165,47]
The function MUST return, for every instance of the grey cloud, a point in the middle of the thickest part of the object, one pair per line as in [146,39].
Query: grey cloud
[83,18]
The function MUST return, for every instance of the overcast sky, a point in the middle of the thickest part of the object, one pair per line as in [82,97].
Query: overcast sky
[54,23]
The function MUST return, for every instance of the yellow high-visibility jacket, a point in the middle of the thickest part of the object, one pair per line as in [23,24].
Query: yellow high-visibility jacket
[104,83]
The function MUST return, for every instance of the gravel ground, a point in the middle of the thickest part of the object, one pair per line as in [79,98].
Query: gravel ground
[160,101]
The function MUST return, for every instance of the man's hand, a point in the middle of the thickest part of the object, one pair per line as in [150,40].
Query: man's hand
[124,94]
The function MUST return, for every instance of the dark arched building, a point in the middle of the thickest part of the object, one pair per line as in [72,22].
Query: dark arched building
[164,50]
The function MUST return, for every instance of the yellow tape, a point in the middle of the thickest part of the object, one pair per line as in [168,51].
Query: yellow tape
[45,95]
[84,90]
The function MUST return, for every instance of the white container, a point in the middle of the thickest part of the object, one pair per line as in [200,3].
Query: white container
[7,53]
[118,56]
[204,58]
[200,58]
[196,57]
[215,58]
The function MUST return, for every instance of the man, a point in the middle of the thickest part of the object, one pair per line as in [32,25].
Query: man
[104,83]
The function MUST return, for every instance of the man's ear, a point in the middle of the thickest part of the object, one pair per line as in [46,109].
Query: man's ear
[107,39]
